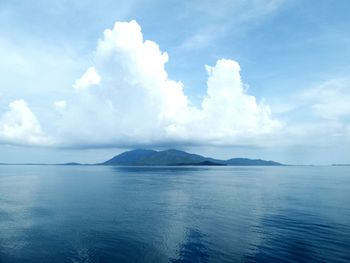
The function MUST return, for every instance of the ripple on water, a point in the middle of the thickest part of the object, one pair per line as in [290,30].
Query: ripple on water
[291,236]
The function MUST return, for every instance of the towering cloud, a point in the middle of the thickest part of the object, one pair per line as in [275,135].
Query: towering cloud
[126,97]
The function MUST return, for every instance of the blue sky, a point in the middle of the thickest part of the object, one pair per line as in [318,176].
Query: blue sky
[276,85]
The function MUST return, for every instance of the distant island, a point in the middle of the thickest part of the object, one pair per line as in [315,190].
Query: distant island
[173,157]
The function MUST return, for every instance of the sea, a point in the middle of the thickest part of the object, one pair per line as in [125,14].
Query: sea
[174,214]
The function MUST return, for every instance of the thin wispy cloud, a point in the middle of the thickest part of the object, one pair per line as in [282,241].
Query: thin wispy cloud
[227,17]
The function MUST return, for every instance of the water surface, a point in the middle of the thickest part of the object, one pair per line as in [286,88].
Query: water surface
[174,214]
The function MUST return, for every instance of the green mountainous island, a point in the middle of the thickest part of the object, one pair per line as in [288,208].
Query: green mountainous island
[141,157]
[172,157]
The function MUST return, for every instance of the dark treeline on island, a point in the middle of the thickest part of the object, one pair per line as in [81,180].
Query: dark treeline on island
[174,157]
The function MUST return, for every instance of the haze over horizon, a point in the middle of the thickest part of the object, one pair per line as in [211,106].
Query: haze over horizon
[84,81]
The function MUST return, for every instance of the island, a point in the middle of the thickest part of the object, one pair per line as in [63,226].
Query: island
[172,157]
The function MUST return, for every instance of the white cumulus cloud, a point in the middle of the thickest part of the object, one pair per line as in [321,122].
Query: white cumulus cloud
[19,125]
[137,103]
[89,78]
[229,109]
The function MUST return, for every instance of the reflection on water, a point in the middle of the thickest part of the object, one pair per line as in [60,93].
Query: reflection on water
[160,169]
[174,214]
[194,249]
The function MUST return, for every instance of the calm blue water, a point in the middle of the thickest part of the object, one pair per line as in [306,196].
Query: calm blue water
[176,214]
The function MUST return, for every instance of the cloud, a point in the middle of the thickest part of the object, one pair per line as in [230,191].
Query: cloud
[317,116]
[127,98]
[228,17]
[19,125]
[229,106]
[90,78]
[60,105]
[330,100]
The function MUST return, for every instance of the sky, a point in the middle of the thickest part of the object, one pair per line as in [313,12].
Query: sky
[85,80]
